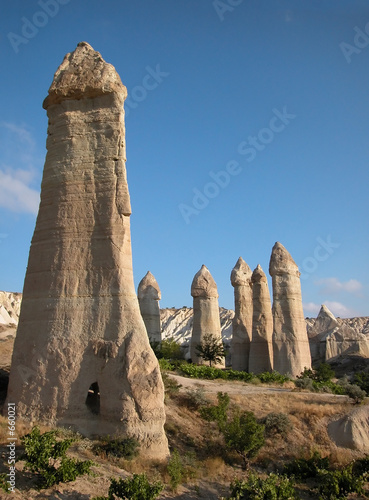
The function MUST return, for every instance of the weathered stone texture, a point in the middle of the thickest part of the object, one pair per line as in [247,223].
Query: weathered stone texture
[352,430]
[148,297]
[290,341]
[261,349]
[205,312]
[242,321]
[80,323]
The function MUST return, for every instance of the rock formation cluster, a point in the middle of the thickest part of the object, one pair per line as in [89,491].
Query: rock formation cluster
[205,311]
[261,349]
[242,321]
[291,349]
[331,338]
[148,297]
[82,355]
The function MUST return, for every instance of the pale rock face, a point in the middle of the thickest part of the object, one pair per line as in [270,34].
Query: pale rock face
[261,350]
[80,325]
[352,430]
[330,338]
[205,312]
[148,297]
[290,341]
[242,321]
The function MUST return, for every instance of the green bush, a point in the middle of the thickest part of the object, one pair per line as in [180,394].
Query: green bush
[361,467]
[354,392]
[268,377]
[337,484]
[211,349]
[302,468]
[175,470]
[135,488]
[127,448]
[324,373]
[277,423]
[244,435]
[217,413]
[274,487]
[305,383]
[165,364]
[170,349]
[196,398]
[171,386]
[4,485]
[362,380]
[46,456]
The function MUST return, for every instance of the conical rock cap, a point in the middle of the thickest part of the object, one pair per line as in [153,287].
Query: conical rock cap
[281,262]
[149,288]
[203,284]
[241,273]
[258,275]
[84,74]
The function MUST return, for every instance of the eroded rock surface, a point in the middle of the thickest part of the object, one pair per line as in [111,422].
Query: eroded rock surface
[80,325]
[205,312]
[148,297]
[330,338]
[290,341]
[261,349]
[242,321]
[352,430]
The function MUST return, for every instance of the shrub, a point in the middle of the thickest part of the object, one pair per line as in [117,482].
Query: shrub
[354,392]
[268,377]
[303,468]
[171,386]
[135,488]
[277,423]
[335,485]
[47,457]
[324,373]
[274,487]
[305,383]
[362,380]
[196,398]
[211,349]
[127,448]
[170,349]
[361,467]
[4,485]
[217,413]
[175,470]
[244,435]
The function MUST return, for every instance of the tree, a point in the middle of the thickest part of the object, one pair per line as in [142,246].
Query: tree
[244,435]
[211,349]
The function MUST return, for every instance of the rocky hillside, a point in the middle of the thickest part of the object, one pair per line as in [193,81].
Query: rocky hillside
[341,335]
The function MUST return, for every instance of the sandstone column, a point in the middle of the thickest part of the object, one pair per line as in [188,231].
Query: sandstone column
[205,312]
[82,356]
[242,321]
[290,341]
[261,349]
[148,297]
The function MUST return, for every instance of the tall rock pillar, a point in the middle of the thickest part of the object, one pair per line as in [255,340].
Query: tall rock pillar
[82,356]
[242,321]
[206,318]
[290,339]
[261,349]
[148,297]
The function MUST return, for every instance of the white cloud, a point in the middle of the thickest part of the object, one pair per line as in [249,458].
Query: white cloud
[17,192]
[16,196]
[340,310]
[310,308]
[334,285]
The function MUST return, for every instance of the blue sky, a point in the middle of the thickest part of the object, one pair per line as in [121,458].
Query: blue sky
[256,131]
